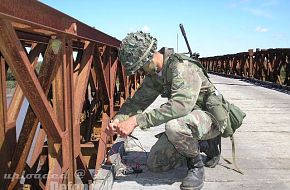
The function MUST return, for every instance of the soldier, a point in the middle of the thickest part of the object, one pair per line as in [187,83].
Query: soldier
[183,82]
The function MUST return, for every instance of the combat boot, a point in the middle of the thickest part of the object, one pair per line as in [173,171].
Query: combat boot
[211,162]
[211,148]
[195,174]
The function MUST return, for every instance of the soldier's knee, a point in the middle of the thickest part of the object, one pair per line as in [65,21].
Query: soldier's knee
[172,130]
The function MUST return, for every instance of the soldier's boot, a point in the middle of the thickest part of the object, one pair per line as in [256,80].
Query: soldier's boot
[195,174]
[211,149]
[211,162]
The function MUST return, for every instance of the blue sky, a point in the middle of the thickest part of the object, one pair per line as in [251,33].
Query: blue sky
[212,27]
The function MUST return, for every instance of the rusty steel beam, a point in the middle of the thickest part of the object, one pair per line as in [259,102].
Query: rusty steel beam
[99,68]
[47,72]
[74,100]
[269,66]
[102,142]
[20,66]
[72,133]
[37,150]
[54,164]
[41,15]
[86,178]
[82,78]
[59,162]
[18,97]
[81,87]
[3,122]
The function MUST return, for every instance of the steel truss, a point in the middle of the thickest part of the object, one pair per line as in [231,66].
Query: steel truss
[270,65]
[72,97]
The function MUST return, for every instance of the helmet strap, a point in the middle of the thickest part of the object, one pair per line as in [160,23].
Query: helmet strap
[146,52]
[150,68]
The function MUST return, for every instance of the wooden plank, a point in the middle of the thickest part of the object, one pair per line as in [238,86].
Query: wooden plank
[20,65]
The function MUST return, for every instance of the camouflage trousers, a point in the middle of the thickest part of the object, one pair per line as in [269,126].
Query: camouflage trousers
[180,140]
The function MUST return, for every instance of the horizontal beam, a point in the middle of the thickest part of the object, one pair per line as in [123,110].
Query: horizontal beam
[31,11]
[250,52]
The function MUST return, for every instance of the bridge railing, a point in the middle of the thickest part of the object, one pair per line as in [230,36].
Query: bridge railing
[70,76]
[270,65]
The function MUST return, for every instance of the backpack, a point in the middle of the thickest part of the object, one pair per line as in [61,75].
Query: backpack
[229,118]
[236,117]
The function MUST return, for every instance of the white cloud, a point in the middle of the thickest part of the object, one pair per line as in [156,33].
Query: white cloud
[260,8]
[258,12]
[270,3]
[261,29]
[145,28]
[238,4]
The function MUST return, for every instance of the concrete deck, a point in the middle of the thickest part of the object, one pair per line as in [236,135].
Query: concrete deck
[262,145]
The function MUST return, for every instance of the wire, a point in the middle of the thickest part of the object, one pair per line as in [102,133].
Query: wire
[103,162]
[141,147]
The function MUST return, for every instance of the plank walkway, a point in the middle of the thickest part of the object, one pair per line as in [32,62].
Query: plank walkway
[262,145]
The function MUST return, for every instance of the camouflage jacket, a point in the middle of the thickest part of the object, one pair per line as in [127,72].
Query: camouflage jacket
[182,82]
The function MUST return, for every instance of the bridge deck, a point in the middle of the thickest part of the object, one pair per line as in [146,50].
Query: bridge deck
[262,145]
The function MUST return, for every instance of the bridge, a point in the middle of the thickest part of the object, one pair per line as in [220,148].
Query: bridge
[61,83]
[261,143]
[77,88]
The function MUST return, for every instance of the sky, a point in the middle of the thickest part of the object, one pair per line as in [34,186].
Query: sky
[212,27]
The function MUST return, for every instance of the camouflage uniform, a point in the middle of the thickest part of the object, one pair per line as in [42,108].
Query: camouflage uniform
[184,84]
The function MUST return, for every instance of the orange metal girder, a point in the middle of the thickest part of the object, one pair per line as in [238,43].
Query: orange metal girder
[47,72]
[36,14]
[19,63]
[3,122]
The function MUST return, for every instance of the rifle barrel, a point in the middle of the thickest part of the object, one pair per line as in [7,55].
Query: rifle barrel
[185,38]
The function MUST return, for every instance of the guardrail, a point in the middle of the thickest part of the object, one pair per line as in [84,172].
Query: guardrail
[79,86]
[270,66]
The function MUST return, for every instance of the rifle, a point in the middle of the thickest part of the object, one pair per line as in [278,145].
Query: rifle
[192,55]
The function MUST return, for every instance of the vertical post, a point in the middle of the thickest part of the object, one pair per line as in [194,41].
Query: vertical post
[72,133]
[56,151]
[3,122]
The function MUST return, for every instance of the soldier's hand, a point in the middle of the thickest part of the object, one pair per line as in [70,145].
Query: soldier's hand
[111,128]
[126,127]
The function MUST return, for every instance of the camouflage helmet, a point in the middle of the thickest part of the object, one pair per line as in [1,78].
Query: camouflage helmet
[136,50]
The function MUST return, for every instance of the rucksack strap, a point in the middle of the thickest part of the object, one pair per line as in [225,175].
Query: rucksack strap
[183,56]
[237,169]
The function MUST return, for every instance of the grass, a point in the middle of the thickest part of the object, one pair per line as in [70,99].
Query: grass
[10,84]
